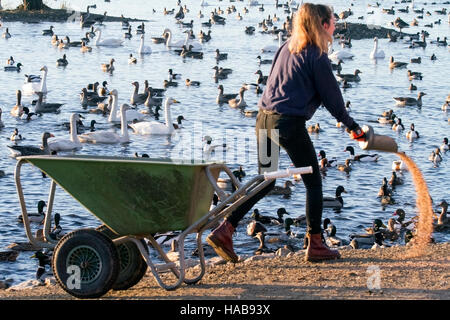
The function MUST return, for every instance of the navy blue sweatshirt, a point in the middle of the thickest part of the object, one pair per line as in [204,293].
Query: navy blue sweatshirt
[298,84]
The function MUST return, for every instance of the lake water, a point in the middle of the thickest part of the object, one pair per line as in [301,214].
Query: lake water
[369,99]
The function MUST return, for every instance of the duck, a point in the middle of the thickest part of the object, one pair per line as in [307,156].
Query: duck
[220,56]
[335,202]
[280,213]
[324,162]
[412,87]
[187,52]
[414,75]
[72,44]
[361,157]
[444,146]
[435,156]
[48,32]
[62,62]
[84,47]
[16,136]
[345,167]
[443,222]
[263,61]
[151,100]
[90,98]
[56,233]
[314,128]
[10,255]
[140,29]
[109,137]
[224,98]
[31,87]
[391,233]
[330,232]
[416,60]
[17,110]
[115,116]
[108,67]
[143,49]
[44,107]
[155,127]
[260,218]
[55,40]
[103,90]
[412,134]
[64,144]
[261,79]
[38,216]
[407,101]
[396,64]
[106,42]
[238,102]
[285,190]
[190,83]
[372,236]
[398,126]
[167,83]
[10,61]
[6,34]
[43,261]
[375,53]
[128,34]
[137,98]
[31,150]
[385,193]
[350,77]
[16,68]
[387,117]
[398,165]
[218,74]
[272,48]
[209,148]
[395,180]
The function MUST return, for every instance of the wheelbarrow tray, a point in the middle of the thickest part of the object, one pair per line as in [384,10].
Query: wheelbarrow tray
[133,196]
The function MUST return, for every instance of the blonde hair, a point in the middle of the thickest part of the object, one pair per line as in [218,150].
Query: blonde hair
[308,28]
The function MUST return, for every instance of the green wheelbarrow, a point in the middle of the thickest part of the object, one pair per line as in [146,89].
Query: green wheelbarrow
[135,198]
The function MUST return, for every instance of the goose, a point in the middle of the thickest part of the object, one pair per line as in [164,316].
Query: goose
[84,47]
[6,34]
[16,68]
[224,98]
[151,100]
[272,48]
[396,64]
[172,45]
[62,62]
[142,48]
[286,190]
[137,98]
[101,18]
[191,54]
[375,53]
[90,98]
[406,101]
[106,42]
[109,137]
[38,216]
[16,136]
[444,147]
[131,59]
[395,180]
[203,37]
[350,77]
[398,126]
[17,151]
[220,56]
[361,157]
[190,83]
[218,74]
[154,127]
[17,110]
[48,32]
[44,107]
[30,88]
[115,116]
[64,144]
[238,102]
[412,134]
[335,202]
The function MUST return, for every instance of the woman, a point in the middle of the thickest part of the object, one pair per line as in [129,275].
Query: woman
[300,81]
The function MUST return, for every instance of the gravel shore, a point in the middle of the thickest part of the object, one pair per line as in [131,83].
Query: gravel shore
[389,275]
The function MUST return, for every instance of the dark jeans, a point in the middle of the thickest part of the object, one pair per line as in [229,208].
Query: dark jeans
[294,138]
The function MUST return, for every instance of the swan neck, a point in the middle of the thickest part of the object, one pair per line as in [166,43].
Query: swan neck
[141,47]
[44,82]
[113,112]
[169,38]
[73,129]
[123,125]
[168,116]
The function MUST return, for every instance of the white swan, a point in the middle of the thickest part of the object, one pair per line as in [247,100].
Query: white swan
[197,47]
[155,127]
[376,54]
[272,48]
[175,45]
[115,116]
[64,144]
[143,49]
[339,55]
[30,88]
[109,137]
[106,42]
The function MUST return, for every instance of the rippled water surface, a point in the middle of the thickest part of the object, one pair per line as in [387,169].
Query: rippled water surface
[369,99]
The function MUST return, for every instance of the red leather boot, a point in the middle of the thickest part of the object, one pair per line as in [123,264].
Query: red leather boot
[221,241]
[318,251]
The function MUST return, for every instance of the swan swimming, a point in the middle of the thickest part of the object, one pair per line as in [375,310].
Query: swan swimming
[143,49]
[64,144]
[175,45]
[110,137]
[115,116]
[155,127]
[106,42]
[30,88]
[376,54]
[272,48]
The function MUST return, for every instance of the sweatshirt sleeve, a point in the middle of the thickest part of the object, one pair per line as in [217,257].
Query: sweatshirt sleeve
[329,91]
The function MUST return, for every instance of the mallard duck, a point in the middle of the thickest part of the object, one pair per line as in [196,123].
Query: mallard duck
[38,216]
[57,232]
[90,98]
[335,202]
[395,180]
[443,221]
[391,233]
[260,218]
[385,193]
[444,147]
[345,167]
[16,68]
[43,261]
[31,150]
[10,255]
[361,157]
[255,227]
[262,247]
[396,64]
[286,190]
[350,77]
[398,126]
[412,134]
[280,213]
[330,231]
[373,235]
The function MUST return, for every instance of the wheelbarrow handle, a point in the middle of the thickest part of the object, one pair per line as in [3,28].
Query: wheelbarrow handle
[287,173]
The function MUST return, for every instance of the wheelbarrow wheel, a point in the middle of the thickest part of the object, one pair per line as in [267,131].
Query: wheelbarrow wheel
[86,263]
[132,266]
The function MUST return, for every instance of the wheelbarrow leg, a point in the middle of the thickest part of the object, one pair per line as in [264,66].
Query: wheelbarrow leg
[201,255]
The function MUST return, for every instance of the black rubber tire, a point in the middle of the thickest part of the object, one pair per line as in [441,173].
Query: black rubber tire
[104,266]
[132,265]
